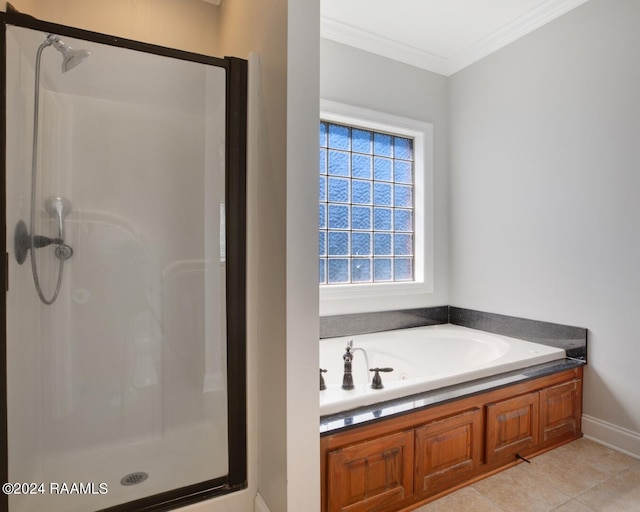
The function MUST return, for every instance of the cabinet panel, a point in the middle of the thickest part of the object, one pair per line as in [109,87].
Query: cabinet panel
[370,475]
[447,451]
[560,411]
[371,468]
[512,426]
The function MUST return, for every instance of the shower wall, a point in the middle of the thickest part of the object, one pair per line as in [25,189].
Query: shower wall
[133,350]
[26,374]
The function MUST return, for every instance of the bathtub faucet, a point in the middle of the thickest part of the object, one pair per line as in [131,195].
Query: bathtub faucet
[377,380]
[347,379]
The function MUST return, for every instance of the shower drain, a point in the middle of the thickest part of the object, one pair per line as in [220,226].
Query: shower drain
[134,478]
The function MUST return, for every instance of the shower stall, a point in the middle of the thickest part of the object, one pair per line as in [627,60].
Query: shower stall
[124,209]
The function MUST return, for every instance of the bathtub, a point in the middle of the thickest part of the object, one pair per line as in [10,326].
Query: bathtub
[423,359]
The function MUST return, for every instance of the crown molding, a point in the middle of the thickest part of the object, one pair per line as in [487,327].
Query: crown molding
[534,19]
[352,36]
[373,43]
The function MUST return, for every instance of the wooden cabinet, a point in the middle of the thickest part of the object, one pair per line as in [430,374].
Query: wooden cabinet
[447,451]
[512,426]
[367,476]
[534,420]
[561,411]
[399,463]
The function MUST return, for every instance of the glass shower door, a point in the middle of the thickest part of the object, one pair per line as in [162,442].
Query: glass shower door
[115,209]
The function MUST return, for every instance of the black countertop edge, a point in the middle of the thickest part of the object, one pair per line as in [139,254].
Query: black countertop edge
[346,420]
[573,340]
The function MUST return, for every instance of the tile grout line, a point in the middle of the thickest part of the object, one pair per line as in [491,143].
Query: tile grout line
[600,482]
[576,501]
[607,479]
[570,497]
[489,499]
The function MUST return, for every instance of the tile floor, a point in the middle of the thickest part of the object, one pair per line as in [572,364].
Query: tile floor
[581,476]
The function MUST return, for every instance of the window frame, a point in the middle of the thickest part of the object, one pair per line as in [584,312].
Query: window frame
[422,134]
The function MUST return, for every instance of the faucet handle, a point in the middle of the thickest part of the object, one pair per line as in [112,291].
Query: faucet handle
[376,382]
[348,355]
[322,384]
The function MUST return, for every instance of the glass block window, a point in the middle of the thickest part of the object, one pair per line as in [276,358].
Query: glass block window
[366,208]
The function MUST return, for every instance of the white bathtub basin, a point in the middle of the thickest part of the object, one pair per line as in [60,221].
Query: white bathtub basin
[423,359]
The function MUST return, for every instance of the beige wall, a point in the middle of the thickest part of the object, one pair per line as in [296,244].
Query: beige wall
[283,249]
[189,25]
[26,6]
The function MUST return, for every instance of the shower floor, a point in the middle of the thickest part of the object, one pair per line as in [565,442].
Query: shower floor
[180,457]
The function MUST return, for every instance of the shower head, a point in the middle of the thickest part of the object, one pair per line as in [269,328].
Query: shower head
[57,206]
[70,57]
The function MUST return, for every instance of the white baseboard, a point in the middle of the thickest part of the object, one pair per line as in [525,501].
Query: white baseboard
[260,505]
[613,436]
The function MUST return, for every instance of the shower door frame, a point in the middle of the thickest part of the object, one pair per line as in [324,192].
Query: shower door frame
[235,266]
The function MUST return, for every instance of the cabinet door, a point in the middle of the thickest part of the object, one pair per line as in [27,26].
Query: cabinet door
[368,476]
[512,426]
[560,411]
[447,451]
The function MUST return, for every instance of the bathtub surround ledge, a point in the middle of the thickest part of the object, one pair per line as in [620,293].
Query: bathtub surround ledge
[477,427]
[573,340]
[365,415]
[423,359]
[366,323]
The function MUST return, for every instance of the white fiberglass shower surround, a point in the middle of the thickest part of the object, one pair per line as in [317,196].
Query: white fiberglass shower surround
[124,236]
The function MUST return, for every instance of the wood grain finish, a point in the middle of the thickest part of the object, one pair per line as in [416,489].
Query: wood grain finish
[561,411]
[367,476]
[448,450]
[399,463]
[512,426]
